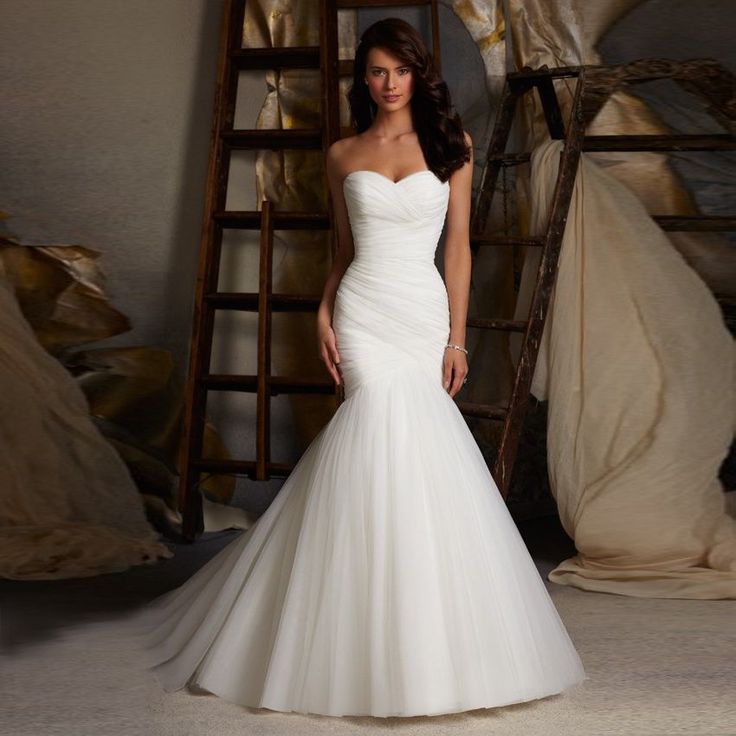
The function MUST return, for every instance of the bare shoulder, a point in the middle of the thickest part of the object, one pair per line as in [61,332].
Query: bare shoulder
[336,148]
[339,154]
[334,155]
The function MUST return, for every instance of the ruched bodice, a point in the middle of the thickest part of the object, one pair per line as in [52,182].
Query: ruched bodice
[392,293]
[399,220]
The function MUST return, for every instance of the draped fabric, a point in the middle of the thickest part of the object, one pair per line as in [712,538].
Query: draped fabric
[640,373]
[68,506]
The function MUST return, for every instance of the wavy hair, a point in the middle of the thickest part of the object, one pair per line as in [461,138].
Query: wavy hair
[438,126]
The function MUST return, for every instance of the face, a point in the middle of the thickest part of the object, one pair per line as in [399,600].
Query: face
[389,80]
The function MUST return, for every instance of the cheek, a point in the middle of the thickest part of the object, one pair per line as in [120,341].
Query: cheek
[375,84]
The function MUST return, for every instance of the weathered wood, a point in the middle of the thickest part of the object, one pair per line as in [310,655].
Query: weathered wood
[250,301]
[508,240]
[482,411]
[282,220]
[679,142]
[696,223]
[291,57]
[546,275]
[507,325]
[240,467]
[263,395]
[380,3]
[275,385]
[195,397]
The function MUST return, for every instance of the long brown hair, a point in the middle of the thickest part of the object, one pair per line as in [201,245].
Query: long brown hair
[438,126]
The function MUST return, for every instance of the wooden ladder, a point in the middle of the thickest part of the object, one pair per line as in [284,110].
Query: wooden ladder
[594,84]
[233,58]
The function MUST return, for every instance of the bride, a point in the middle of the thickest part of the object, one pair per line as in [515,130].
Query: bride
[387,577]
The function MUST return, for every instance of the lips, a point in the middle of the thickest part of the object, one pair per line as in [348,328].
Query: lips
[391,98]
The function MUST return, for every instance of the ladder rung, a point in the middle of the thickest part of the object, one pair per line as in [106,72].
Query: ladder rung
[281,220]
[276,139]
[243,467]
[683,223]
[511,159]
[483,411]
[654,143]
[379,3]
[248,301]
[680,142]
[345,68]
[556,73]
[507,325]
[283,57]
[278,384]
[506,240]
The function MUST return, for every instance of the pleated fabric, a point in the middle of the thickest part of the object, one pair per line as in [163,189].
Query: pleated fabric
[387,577]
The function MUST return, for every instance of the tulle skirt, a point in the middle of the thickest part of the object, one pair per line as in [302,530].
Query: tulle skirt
[387,577]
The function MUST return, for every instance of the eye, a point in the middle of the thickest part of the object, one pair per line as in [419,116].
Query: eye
[404,70]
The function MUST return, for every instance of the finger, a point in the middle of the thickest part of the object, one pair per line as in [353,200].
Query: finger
[336,371]
[447,375]
[331,344]
[457,382]
[330,365]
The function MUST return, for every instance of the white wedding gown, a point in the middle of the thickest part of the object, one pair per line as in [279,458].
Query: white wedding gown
[387,577]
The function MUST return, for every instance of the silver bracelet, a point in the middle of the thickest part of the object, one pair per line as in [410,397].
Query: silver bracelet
[457,347]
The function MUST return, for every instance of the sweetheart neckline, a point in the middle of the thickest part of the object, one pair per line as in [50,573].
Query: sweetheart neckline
[391,181]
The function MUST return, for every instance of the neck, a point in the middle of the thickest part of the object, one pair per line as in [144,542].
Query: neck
[393,123]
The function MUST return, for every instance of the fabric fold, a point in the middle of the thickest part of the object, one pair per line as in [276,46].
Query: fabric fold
[640,373]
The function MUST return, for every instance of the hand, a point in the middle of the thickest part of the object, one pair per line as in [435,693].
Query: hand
[455,369]
[328,350]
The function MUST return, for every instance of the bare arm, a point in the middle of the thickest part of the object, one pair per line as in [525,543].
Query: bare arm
[458,262]
[343,256]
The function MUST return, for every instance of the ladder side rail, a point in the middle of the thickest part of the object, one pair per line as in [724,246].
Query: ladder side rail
[435,21]
[546,276]
[263,374]
[492,164]
[195,396]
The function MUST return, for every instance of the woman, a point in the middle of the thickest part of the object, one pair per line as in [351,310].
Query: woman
[387,577]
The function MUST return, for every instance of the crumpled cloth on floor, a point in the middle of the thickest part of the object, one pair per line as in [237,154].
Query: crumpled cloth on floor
[68,505]
[640,373]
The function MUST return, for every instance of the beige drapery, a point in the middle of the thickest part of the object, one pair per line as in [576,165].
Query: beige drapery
[68,506]
[640,373]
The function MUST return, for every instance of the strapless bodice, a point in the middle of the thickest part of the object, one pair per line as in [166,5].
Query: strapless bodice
[395,220]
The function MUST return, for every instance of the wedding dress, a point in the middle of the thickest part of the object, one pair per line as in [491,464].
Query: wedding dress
[387,577]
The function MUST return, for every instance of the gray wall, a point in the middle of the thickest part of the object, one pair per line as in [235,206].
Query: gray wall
[104,134]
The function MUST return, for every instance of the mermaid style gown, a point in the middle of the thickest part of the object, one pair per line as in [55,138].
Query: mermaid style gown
[387,577]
